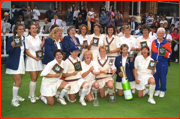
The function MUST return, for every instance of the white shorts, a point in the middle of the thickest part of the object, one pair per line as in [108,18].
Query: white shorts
[102,82]
[119,85]
[75,86]
[49,90]
[144,81]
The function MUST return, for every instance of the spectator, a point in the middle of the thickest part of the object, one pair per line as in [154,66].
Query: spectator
[163,20]
[138,18]
[3,27]
[171,28]
[90,25]
[103,7]
[150,19]
[115,13]
[133,25]
[58,13]
[167,36]
[160,16]
[57,22]
[13,12]
[21,12]
[156,25]
[49,14]
[17,21]
[175,40]
[152,33]
[156,18]
[121,33]
[165,25]
[75,15]
[138,31]
[111,20]
[103,19]
[28,15]
[162,25]
[38,26]
[69,16]
[146,16]
[164,15]
[7,19]
[92,14]
[119,20]
[86,12]
[79,21]
[175,22]
[172,19]
[46,26]
[36,13]
[96,20]
[21,19]
[83,12]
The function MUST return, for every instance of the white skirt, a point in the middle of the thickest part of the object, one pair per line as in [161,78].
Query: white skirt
[75,86]
[102,82]
[144,81]
[21,67]
[33,65]
[49,90]
[119,85]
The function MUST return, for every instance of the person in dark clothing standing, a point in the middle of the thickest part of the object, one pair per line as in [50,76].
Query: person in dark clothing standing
[49,14]
[79,20]
[83,12]
[21,12]
[69,16]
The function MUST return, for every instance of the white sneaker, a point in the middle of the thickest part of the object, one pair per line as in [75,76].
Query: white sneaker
[145,91]
[62,101]
[57,94]
[151,100]
[133,91]
[176,60]
[37,98]
[19,98]
[15,103]
[83,103]
[162,93]
[33,99]
[157,93]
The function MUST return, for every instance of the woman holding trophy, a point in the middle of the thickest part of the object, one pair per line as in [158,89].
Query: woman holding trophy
[128,64]
[107,70]
[33,61]
[144,75]
[15,64]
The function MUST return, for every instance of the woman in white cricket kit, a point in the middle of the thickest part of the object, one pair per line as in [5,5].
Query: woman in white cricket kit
[127,38]
[97,34]
[74,77]
[103,78]
[145,37]
[89,71]
[33,63]
[15,63]
[81,34]
[51,81]
[143,75]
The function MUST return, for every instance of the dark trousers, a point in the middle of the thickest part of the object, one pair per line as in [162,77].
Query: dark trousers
[175,54]
[103,27]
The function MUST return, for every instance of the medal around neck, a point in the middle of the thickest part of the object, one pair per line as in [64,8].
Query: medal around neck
[80,48]
[18,41]
[86,44]
[144,43]
[152,64]
[131,53]
[107,49]
[77,66]
[39,54]
[110,72]
[95,41]
[162,51]
[126,86]
[58,69]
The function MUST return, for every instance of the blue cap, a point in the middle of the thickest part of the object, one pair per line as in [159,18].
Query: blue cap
[175,17]
[73,48]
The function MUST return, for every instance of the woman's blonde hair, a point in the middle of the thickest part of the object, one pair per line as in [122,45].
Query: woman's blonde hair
[55,30]
[88,51]
[102,48]
[124,46]
[126,27]
[80,28]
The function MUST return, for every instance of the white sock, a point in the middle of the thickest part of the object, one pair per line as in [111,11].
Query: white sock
[44,99]
[63,93]
[15,93]
[32,88]
[151,90]
[83,93]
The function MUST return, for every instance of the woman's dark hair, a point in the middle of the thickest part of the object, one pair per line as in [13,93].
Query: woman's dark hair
[80,28]
[29,27]
[175,29]
[145,26]
[146,48]
[123,46]
[53,26]
[56,51]
[111,26]
[16,27]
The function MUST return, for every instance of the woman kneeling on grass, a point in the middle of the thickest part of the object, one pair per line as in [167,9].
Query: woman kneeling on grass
[143,75]
[51,81]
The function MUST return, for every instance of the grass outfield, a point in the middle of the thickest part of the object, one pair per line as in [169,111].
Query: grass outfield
[167,107]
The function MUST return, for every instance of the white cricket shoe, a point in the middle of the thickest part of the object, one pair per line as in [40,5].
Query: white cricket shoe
[33,99]
[83,103]
[162,93]
[15,103]
[19,98]
[62,101]
[151,100]
[37,98]
[157,93]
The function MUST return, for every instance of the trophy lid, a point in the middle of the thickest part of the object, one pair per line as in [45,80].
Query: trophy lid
[122,70]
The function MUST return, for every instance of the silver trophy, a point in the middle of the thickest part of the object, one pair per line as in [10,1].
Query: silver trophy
[110,72]
[96,102]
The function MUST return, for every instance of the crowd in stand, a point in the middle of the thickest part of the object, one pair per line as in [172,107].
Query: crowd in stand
[109,29]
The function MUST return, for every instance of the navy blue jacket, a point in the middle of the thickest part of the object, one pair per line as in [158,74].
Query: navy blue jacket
[67,43]
[14,54]
[129,67]
[49,47]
